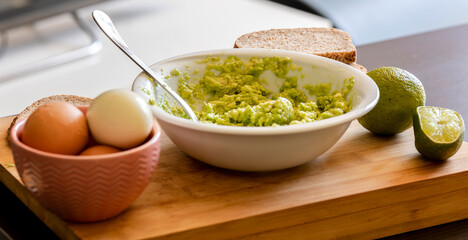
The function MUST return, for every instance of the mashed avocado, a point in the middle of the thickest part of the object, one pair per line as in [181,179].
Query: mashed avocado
[233,92]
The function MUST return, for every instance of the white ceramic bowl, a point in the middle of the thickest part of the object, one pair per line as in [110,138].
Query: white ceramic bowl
[260,148]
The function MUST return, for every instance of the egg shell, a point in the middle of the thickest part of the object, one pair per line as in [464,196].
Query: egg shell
[119,118]
[99,150]
[56,127]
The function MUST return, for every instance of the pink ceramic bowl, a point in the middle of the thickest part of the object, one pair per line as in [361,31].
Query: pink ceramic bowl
[86,188]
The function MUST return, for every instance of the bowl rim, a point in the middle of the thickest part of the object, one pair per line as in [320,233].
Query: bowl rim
[15,140]
[355,113]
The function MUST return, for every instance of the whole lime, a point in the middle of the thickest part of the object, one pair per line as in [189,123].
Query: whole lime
[400,93]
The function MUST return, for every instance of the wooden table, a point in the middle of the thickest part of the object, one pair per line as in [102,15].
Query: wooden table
[438,58]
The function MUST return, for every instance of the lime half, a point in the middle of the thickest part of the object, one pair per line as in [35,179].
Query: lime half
[438,132]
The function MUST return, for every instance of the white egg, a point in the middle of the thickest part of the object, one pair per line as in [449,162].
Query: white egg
[119,118]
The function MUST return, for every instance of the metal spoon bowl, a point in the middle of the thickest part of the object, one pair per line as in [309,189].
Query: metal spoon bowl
[107,27]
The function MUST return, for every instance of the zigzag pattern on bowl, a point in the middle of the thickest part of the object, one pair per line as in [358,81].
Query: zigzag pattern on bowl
[88,190]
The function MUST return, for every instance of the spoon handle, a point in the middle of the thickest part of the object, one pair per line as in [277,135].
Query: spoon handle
[108,28]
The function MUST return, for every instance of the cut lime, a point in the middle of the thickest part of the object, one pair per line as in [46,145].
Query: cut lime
[438,132]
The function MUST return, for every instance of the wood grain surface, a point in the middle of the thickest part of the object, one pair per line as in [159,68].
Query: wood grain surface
[364,187]
[438,59]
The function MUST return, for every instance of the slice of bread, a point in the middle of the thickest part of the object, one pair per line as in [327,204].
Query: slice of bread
[359,67]
[326,42]
[72,99]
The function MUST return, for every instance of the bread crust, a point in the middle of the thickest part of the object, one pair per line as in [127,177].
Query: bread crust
[71,99]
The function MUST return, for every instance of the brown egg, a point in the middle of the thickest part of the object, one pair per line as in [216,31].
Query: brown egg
[98,150]
[56,127]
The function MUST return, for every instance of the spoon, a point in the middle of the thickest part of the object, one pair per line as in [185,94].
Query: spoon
[107,27]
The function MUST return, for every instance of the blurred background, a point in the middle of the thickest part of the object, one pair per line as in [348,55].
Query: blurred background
[369,21]
[38,28]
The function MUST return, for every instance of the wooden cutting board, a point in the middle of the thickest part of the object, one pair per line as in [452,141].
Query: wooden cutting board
[364,187]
